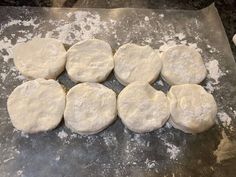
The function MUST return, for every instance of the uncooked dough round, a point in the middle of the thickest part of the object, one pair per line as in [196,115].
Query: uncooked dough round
[40,58]
[90,108]
[136,63]
[36,105]
[182,65]
[89,61]
[142,108]
[193,110]
[234,39]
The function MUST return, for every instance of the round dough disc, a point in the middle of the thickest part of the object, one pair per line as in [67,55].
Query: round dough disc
[89,61]
[193,110]
[182,65]
[40,58]
[136,63]
[90,108]
[142,108]
[234,39]
[36,105]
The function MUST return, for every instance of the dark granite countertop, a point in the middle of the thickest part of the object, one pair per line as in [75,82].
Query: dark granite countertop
[226,8]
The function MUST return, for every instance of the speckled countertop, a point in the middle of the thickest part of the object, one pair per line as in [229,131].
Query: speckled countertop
[226,8]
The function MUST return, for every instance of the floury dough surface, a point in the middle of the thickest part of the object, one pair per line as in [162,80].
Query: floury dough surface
[36,105]
[89,61]
[192,109]
[40,58]
[182,65]
[142,108]
[136,63]
[90,108]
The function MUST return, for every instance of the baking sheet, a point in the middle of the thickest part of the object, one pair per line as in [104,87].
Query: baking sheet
[117,151]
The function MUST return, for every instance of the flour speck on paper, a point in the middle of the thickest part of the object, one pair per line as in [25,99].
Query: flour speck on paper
[62,134]
[214,71]
[151,163]
[172,150]
[226,120]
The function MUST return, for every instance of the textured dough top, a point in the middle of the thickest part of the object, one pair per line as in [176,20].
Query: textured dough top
[142,108]
[192,108]
[182,65]
[136,63]
[36,105]
[90,108]
[40,58]
[89,61]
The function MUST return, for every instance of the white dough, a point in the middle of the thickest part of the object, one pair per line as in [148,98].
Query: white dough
[193,110]
[36,105]
[89,61]
[142,108]
[234,39]
[90,108]
[136,63]
[182,65]
[40,58]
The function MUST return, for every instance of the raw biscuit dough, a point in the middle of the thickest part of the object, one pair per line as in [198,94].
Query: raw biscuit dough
[142,108]
[193,110]
[40,58]
[36,105]
[90,108]
[89,61]
[136,63]
[234,39]
[182,65]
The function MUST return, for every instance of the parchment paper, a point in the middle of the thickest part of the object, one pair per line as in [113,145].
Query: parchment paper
[116,151]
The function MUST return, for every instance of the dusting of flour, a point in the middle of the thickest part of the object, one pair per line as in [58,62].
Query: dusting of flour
[214,71]
[172,150]
[169,41]
[62,134]
[225,120]
[84,26]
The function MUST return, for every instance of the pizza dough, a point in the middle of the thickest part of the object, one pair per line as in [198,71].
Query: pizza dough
[90,108]
[36,105]
[136,63]
[182,65]
[193,110]
[40,58]
[89,61]
[142,108]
